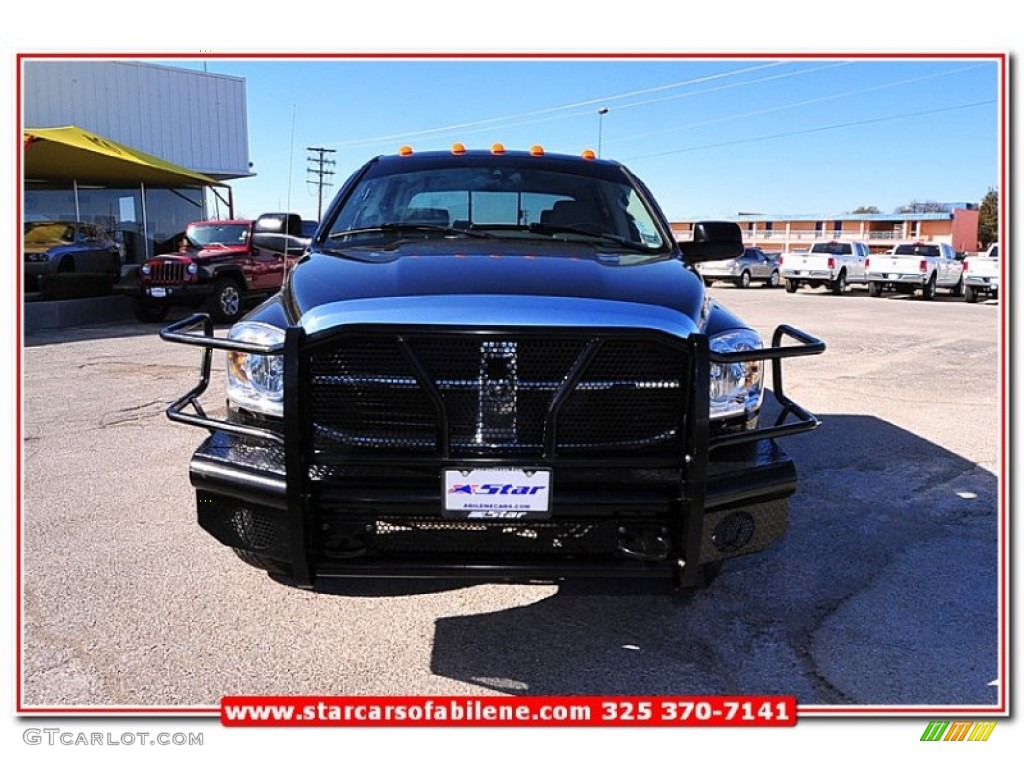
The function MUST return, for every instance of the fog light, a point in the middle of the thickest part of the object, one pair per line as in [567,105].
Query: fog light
[734,532]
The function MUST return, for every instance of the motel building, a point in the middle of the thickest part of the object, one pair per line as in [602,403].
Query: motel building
[956,225]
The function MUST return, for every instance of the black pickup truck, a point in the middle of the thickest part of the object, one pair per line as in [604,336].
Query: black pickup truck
[501,366]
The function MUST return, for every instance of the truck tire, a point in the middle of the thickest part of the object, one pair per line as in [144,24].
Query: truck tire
[226,301]
[262,563]
[838,285]
[958,289]
[970,294]
[875,289]
[791,285]
[928,289]
[149,311]
[744,279]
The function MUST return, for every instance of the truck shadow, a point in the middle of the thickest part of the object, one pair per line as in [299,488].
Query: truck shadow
[883,591]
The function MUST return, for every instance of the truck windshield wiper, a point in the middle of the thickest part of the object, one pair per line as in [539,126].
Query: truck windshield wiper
[557,229]
[398,227]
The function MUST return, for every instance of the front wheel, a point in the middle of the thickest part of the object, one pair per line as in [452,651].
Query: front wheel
[745,279]
[773,280]
[958,289]
[226,301]
[791,285]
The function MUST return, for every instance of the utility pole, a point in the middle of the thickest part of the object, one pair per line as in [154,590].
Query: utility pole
[321,171]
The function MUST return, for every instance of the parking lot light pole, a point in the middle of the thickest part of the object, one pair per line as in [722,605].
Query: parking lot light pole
[600,124]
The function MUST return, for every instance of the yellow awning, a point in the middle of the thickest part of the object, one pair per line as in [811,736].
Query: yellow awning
[73,154]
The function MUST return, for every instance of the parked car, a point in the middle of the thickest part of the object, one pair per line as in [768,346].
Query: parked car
[916,266]
[833,264]
[67,246]
[754,265]
[981,275]
[225,264]
[495,365]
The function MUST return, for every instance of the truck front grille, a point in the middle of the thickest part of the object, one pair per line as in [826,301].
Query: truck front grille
[167,273]
[499,395]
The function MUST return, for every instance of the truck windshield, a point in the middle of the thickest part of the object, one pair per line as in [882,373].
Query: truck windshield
[218,234]
[506,201]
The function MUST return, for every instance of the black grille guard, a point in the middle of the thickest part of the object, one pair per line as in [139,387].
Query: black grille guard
[792,418]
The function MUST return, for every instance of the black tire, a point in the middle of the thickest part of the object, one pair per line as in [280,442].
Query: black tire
[149,311]
[928,289]
[262,563]
[773,279]
[970,294]
[958,289]
[707,283]
[791,285]
[67,265]
[744,279]
[838,285]
[226,300]
[875,289]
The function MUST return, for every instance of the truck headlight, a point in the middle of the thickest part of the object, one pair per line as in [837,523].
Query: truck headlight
[256,382]
[736,388]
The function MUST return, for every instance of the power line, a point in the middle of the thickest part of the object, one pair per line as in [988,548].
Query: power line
[819,129]
[322,170]
[549,110]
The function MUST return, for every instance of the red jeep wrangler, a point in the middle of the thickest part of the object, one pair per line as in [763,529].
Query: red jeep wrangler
[224,264]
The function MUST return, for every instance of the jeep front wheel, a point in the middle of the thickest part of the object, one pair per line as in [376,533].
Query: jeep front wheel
[226,301]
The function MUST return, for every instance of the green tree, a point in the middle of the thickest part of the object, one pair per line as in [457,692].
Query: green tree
[866,209]
[988,218]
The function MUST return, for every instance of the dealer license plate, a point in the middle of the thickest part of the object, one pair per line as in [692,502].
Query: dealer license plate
[158,292]
[497,493]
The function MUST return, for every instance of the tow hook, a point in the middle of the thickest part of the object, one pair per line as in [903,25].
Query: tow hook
[644,542]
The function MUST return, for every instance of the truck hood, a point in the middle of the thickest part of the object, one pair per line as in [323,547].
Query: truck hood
[517,280]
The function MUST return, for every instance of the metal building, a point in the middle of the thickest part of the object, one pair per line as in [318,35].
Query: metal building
[180,117]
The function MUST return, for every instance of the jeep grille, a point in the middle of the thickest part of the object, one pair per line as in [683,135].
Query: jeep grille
[168,272]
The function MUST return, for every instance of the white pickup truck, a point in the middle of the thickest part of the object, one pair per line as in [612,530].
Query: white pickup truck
[981,275]
[909,266]
[831,263]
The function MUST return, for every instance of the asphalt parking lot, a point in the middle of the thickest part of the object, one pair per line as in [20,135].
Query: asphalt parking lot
[883,592]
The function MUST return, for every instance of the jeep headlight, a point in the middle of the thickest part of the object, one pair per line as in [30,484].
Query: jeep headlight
[256,382]
[736,388]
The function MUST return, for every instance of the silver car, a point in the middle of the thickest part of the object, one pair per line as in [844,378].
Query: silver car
[753,265]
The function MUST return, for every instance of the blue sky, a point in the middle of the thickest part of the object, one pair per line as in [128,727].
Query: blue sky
[711,137]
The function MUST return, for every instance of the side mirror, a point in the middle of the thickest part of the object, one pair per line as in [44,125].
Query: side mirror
[713,241]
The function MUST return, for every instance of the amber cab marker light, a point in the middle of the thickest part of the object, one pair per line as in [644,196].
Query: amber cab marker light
[458,148]
[536,150]
[405,151]
[497,148]
[588,154]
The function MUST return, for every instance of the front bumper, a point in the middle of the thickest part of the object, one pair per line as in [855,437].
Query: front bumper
[183,293]
[317,516]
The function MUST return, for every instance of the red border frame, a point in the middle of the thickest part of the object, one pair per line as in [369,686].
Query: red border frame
[1004,369]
